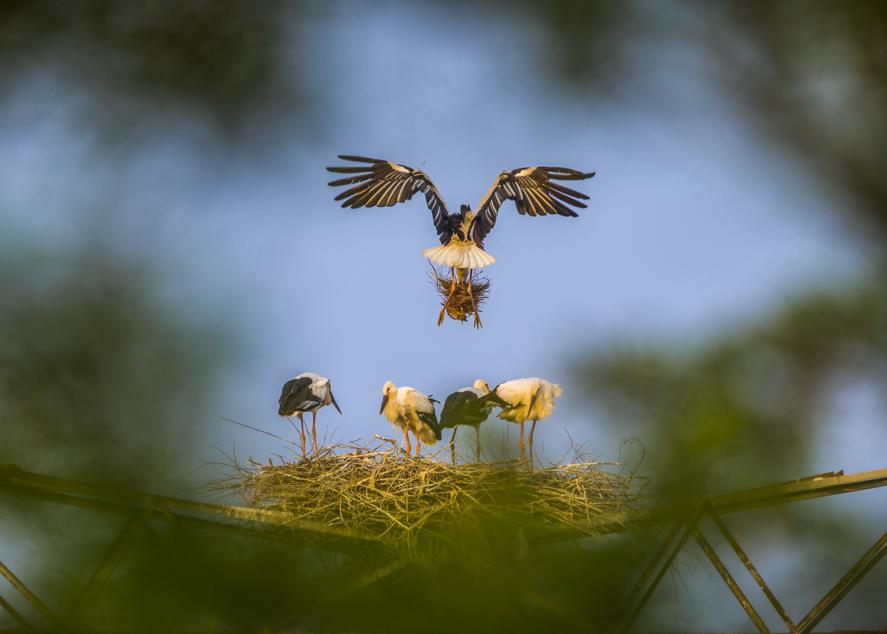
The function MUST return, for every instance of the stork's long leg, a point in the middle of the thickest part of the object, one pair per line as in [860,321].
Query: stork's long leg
[302,433]
[477,432]
[418,444]
[406,440]
[477,323]
[453,444]
[440,318]
[523,455]
[314,431]
[532,430]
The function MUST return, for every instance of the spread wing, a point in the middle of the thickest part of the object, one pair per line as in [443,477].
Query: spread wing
[534,191]
[296,396]
[380,183]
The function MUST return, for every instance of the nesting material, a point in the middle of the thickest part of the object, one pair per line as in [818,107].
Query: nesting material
[459,305]
[428,505]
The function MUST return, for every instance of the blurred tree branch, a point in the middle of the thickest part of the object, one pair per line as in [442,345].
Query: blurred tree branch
[224,61]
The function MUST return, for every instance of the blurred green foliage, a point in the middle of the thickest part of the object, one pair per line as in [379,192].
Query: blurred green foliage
[99,377]
[743,410]
[222,61]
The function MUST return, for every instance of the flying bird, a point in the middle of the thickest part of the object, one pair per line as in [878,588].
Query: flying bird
[308,392]
[410,410]
[469,406]
[534,190]
[528,399]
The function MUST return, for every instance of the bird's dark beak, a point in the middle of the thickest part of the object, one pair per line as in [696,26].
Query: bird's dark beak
[336,405]
[533,401]
[384,403]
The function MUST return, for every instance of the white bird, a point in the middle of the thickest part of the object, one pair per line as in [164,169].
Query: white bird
[410,410]
[469,406]
[308,392]
[535,191]
[528,399]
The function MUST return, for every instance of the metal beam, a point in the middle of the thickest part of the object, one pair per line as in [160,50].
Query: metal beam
[236,519]
[834,596]
[32,598]
[731,582]
[672,550]
[15,614]
[753,571]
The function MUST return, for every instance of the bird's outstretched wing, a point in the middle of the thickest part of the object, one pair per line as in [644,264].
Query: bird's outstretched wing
[296,396]
[381,183]
[534,191]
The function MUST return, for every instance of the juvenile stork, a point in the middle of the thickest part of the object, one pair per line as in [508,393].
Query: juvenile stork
[380,183]
[528,399]
[410,410]
[308,392]
[469,406]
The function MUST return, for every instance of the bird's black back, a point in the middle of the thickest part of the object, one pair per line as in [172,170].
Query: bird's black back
[462,408]
[296,396]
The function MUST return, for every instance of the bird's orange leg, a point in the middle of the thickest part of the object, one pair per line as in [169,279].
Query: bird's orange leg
[302,433]
[443,309]
[532,430]
[477,323]
[406,440]
[418,444]
[523,455]
[314,431]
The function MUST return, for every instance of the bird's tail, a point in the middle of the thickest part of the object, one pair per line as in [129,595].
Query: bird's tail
[461,254]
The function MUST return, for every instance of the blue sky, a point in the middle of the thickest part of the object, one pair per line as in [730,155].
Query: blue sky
[694,225]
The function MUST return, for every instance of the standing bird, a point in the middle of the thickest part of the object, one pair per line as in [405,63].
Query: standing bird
[410,410]
[308,392]
[381,183]
[528,399]
[469,406]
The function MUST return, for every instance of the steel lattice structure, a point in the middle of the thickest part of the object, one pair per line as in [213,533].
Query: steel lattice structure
[686,522]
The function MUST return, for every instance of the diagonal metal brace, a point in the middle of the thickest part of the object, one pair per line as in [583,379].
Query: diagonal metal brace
[15,614]
[834,596]
[731,582]
[753,571]
[32,598]
[111,560]
[662,560]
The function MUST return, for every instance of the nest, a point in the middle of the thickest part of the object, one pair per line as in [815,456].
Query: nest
[460,304]
[423,505]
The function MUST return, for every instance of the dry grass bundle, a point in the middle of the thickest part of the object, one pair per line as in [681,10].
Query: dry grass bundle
[425,505]
[460,305]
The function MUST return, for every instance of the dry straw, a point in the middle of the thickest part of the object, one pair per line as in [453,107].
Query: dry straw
[425,505]
[460,304]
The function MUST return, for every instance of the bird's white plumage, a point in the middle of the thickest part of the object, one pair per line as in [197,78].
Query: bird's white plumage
[461,254]
[521,393]
[402,408]
[320,387]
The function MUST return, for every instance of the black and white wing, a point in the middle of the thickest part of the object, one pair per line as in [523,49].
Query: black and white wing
[534,191]
[296,396]
[381,183]
[456,406]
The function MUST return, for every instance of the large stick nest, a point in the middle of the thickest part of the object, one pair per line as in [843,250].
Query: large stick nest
[425,505]
[461,304]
